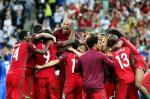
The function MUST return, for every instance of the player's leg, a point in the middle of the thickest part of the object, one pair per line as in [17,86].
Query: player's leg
[17,91]
[78,87]
[29,83]
[86,95]
[132,92]
[8,87]
[61,83]
[68,92]
[139,74]
[122,90]
[77,92]
[41,89]
[99,95]
[110,89]
[53,88]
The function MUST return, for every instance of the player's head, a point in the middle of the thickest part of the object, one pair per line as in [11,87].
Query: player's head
[46,31]
[37,28]
[112,39]
[102,41]
[115,32]
[92,41]
[23,35]
[66,25]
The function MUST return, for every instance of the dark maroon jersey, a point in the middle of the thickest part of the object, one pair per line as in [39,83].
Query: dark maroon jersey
[60,36]
[91,64]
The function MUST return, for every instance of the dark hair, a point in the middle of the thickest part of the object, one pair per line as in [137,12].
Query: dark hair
[37,28]
[22,34]
[112,40]
[76,44]
[115,32]
[91,41]
[46,31]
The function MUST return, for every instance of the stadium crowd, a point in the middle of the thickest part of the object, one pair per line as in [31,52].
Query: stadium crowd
[130,17]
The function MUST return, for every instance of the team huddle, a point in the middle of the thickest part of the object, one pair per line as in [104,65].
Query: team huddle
[67,65]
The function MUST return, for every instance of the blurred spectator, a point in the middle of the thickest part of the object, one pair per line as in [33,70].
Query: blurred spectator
[2,79]
[58,16]
[46,24]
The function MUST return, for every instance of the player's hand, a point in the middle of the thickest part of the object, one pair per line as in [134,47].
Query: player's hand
[109,54]
[38,67]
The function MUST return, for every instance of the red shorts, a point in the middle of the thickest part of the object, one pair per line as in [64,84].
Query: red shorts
[61,82]
[126,91]
[14,86]
[110,90]
[47,88]
[29,83]
[72,92]
[94,95]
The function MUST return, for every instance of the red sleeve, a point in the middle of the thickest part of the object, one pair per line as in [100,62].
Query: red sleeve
[63,57]
[128,44]
[107,60]
[32,47]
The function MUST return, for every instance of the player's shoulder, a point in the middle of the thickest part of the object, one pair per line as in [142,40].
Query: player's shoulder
[57,31]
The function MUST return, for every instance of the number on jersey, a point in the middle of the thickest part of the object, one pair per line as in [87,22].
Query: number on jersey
[15,53]
[73,65]
[47,56]
[125,62]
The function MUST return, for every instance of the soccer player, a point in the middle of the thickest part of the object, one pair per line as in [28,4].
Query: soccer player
[140,66]
[91,65]
[64,36]
[30,79]
[123,60]
[47,87]
[72,88]
[15,75]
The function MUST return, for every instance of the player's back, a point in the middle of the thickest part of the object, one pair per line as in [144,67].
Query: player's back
[72,78]
[123,67]
[19,57]
[70,64]
[43,59]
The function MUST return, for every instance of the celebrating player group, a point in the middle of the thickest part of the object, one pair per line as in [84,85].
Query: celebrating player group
[64,64]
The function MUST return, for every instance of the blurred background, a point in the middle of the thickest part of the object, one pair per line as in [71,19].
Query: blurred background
[131,17]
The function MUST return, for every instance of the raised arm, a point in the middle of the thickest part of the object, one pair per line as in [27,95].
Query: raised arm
[117,45]
[33,48]
[62,58]
[107,60]
[49,64]
[45,35]
[75,51]
[67,42]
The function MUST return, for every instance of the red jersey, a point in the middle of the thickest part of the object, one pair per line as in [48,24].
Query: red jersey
[127,43]
[60,36]
[123,69]
[19,56]
[146,81]
[42,59]
[70,61]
